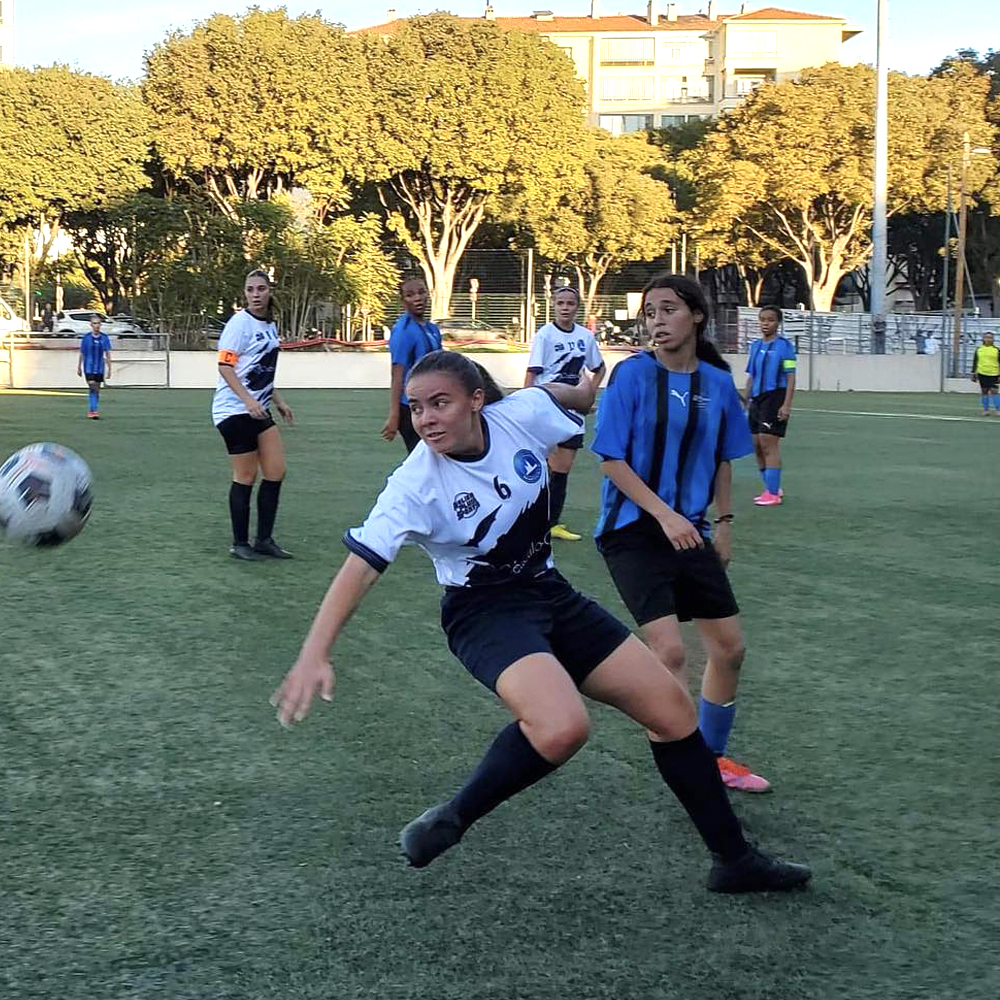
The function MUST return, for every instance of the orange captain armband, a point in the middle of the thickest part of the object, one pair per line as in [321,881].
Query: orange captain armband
[228,358]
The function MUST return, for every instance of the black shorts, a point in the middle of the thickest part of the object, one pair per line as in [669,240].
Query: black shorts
[987,383]
[764,413]
[489,628]
[574,443]
[93,377]
[240,432]
[656,580]
[410,437]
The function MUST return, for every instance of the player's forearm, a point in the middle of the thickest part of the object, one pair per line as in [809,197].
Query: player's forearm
[530,378]
[625,478]
[724,490]
[396,389]
[229,376]
[790,389]
[597,377]
[578,397]
[346,592]
[747,389]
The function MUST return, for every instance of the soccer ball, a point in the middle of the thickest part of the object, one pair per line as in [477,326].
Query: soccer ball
[45,496]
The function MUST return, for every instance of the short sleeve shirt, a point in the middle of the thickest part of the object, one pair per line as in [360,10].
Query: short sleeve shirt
[93,350]
[673,429]
[769,364]
[250,345]
[483,519]
[558,356]
[409,341]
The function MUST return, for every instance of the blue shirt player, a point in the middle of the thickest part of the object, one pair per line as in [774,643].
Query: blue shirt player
[769,392]
[94,364]
[412,337]
[669,424]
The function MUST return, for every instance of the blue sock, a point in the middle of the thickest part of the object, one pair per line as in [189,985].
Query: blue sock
[716,723]
[772,480]
[996,402]
[94,397]
[986,404]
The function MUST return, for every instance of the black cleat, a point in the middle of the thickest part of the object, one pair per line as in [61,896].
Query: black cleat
[243,551]
[756,872]
[269,547]
[430,834]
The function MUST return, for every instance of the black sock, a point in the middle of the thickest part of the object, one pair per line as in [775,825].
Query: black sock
[267,507]
[511,764]
[691,771]
[558,483]
[239,511]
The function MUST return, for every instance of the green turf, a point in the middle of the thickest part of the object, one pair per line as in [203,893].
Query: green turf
[162,836]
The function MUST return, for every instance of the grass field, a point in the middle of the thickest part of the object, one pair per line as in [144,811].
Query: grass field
[162,836]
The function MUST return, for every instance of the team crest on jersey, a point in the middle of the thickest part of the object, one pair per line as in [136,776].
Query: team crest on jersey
[528,466]
[465,505]
[702,401]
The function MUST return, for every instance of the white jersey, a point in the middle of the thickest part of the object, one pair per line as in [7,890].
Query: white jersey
[251,346]
[558,356]
[482,519]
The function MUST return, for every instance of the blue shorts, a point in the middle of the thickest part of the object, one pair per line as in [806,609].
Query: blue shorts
[491,627]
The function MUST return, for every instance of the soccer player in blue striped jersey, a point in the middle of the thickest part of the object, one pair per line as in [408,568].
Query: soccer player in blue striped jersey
[669,424]
[94,364]
[769,392]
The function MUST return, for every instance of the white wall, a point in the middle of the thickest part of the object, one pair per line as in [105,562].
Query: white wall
[348,370]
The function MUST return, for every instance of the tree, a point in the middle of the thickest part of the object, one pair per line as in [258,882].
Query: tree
[466,116]
[791,169]
[617,213]
[68,142]
[247,107]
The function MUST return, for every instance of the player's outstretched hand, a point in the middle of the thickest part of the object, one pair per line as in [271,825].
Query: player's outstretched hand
[680,532]
[302,683]
[286,413]
[390,427]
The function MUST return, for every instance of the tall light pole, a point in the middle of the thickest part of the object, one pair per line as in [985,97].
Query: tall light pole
[879,212]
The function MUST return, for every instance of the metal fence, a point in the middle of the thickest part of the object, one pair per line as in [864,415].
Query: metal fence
[851,333]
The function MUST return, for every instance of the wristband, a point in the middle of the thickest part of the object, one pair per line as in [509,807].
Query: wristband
[725,519]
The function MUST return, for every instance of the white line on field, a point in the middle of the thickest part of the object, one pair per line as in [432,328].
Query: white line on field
[908,416]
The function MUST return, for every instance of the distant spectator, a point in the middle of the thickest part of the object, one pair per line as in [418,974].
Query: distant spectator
[931,347]
[48,318]
[921,339]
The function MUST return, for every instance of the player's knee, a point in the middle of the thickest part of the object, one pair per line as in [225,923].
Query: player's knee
[733,651]
[245,478]
[679,719]
[561,737]
[671,654]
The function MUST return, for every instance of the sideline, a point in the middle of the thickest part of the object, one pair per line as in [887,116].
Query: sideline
[872,413]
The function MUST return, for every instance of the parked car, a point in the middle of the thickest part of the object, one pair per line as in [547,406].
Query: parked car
[467,329]
[77,321]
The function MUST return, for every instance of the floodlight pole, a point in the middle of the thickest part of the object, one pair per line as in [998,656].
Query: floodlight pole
[879,212]
[960,265]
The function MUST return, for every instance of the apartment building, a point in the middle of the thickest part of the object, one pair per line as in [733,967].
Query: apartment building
[6,32]
[665,68]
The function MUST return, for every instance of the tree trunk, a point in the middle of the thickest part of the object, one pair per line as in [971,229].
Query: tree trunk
[437,223]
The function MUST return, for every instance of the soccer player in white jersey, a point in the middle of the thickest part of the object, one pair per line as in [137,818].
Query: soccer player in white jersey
[248,357]
[560,351]
[474,495]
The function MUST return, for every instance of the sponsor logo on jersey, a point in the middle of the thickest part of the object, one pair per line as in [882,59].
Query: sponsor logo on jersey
[528,466]
[682,396]
[465,505]
[702,401]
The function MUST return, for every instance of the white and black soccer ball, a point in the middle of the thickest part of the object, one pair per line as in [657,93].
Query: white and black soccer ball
[45,495]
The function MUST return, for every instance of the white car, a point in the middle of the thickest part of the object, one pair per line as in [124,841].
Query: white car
[77,321]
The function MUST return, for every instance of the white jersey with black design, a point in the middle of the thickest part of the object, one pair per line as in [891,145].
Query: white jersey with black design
[250,346]
[558,356]
[482,519]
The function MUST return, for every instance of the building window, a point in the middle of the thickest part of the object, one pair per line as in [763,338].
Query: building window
[628,51]
[671,121]
[685,52]
[626,88]
[685,89]
[620,124]
[746,85]
[753,43]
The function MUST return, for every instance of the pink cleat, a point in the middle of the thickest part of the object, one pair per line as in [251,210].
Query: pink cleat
[768,499]
[741,778]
